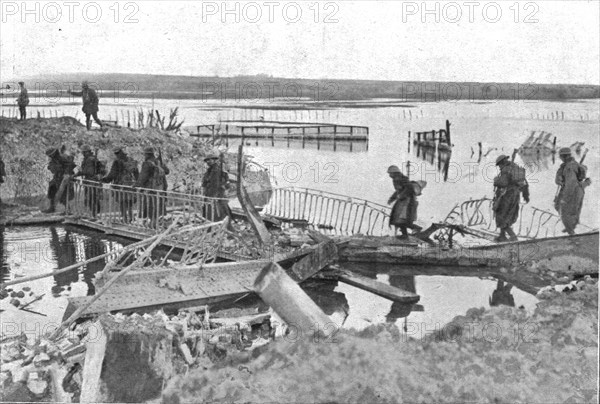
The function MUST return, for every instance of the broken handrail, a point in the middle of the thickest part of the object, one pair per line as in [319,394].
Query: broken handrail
[337,213]
[532,222]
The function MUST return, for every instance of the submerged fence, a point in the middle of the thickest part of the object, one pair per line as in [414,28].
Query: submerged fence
[333,213]
[138,208]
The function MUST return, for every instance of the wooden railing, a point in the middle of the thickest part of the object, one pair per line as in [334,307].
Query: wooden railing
[333,213]
[144,209]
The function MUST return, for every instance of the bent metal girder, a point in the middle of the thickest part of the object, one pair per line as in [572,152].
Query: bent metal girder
[532,222]
[333,213]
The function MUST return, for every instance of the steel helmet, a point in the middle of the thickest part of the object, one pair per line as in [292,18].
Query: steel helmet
[393,169]
[501,158]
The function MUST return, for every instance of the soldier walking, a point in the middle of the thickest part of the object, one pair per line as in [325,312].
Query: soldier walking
[90,104]
[23,101]
[91,170]
[509,186]
[571,178]
[59,188]
[404,211]
[124,174]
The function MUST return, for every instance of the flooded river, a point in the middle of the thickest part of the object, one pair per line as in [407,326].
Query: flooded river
[500,126]
[357,170]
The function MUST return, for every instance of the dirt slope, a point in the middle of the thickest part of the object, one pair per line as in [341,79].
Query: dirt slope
[501,355]
[23,145]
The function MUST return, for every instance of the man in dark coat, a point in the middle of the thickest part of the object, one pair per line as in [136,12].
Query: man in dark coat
[23,102]
[2,172]
[90,104]
[508,188]
[152,177]
[59,189]
[404,211]
[124,174]
[571,178]
[214,185]
[91,170]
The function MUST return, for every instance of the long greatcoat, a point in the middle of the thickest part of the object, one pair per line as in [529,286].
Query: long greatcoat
[570,176]
[215,182]
[509,185]
[61,166]
[404,211]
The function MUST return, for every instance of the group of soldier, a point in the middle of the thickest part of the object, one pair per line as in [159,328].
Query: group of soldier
[88,96]
[509,186]
[149,184]
[124,174]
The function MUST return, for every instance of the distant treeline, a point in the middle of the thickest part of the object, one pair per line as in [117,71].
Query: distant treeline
[131,86]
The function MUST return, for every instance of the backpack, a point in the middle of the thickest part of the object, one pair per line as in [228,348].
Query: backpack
[129,169]
[158,177]
[100,167]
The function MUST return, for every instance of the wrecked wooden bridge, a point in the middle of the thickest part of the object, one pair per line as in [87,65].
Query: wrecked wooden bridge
[180,285]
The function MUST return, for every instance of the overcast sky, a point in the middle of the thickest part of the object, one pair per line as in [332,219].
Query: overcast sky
[543,42]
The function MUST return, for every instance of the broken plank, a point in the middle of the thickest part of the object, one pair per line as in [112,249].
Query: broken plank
[370,285]
[253,217]
[323,255]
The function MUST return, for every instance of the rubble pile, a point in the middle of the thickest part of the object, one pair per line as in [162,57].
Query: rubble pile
[587,283]
[561,269]
[500,355]
[245,242]
[44,370]
[36,369]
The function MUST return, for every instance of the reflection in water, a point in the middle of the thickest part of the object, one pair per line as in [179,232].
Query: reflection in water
[502,295]
[326,145]
[65,246]
[64,253]
[428,154]
[401,310]
[3,266]
[323,294]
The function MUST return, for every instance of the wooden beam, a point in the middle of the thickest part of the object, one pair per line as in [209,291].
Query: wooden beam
[370,285]
[324,254]
[251,213]
[94,357]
